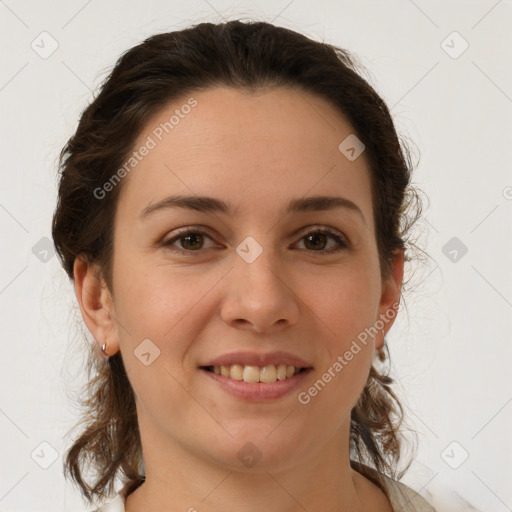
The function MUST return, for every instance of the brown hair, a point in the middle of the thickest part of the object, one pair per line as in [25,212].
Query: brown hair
[247,56]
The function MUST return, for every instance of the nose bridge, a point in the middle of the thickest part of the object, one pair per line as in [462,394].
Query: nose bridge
[259,294]
[258,267]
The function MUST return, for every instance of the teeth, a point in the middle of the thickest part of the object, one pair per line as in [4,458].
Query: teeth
[250,373]
[268,373]
[236,372]
[281,372]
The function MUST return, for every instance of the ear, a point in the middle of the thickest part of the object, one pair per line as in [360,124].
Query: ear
[390,297]
[95,303]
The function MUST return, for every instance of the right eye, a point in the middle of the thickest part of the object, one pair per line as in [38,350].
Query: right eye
[191,237]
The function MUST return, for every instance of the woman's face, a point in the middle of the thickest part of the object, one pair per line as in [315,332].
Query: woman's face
[256,284]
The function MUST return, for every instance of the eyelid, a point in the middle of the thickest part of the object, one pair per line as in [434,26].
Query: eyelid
[340,238]
[182,232]
[313,228]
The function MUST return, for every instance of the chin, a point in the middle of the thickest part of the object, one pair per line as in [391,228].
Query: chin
[257,448]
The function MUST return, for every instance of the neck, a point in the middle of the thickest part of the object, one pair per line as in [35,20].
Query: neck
[322,480]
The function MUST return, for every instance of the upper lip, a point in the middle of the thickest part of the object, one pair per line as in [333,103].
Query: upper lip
[258,359]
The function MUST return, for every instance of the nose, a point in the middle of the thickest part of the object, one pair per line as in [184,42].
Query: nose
[259,295]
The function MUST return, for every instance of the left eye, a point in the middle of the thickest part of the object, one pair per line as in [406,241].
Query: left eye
[322,235]
[193,239]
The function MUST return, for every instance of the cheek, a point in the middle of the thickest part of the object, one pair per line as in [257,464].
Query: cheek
[338,382]
[168,306]
[346,302]
[161,306]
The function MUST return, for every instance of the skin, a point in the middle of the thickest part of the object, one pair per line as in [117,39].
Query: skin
[256,152]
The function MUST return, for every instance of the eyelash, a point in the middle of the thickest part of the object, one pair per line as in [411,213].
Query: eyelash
[191,231]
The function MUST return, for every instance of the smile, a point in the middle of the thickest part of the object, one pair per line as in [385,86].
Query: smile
[250,373]
[245,384]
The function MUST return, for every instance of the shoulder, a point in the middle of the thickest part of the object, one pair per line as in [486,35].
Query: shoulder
[402,497]
[115,505]
[118,503]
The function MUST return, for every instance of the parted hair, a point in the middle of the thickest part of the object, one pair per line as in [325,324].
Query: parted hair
[248,56]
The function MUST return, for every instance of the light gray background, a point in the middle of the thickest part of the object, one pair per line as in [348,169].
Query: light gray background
[451,354]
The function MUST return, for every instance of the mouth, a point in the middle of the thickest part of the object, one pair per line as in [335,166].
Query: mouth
[257,384]
[257,377]
[267,374]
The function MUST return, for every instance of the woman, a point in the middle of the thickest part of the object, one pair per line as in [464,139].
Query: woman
[233,211]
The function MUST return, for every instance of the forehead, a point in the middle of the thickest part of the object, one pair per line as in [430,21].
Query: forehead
[250,149]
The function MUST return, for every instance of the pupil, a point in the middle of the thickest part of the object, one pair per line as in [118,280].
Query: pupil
[188,237]
[315,236]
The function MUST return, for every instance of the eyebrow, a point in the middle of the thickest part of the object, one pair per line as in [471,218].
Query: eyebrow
[208,204]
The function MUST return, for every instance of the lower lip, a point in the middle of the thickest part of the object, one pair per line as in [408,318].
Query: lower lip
[258,391]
